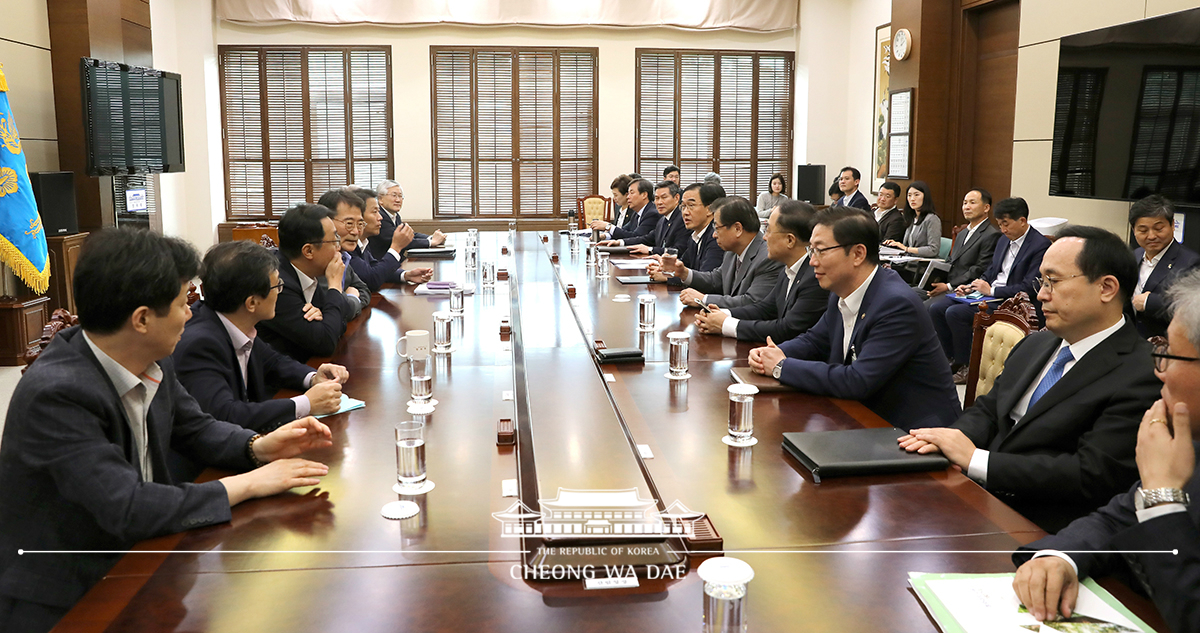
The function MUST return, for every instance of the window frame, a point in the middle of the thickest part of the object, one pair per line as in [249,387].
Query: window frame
[1062,169]
[268,214]
[1193,174]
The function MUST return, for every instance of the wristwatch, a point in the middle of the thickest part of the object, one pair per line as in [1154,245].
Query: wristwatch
[775,373]
[1144,499]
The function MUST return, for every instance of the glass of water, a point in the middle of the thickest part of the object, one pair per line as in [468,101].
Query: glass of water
[646,312]
[456,300]
[725,581]
[670,257]
[741,415]
[472,237]
[471,257]
[410,453]
[601,265]
[422,380]
[678,355]
[441,331]
[489,274]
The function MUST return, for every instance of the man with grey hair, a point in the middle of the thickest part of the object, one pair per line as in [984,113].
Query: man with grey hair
[1155,514]
[391,198]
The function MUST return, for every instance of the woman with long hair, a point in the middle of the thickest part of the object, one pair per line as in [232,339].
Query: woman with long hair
[923,237]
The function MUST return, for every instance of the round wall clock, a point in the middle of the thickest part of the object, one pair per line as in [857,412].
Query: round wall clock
[902,44]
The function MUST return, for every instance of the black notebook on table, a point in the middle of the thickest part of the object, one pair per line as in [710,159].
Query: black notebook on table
[857,452]
[431,253]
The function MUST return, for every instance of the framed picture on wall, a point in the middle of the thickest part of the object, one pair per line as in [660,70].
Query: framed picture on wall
[879,124]
[900,105]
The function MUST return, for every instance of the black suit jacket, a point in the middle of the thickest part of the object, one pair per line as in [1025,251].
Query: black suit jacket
[783,314]
[892,225]
[968,260]
[730,285]
[379,244]
[895,364]
[375,272]
[208,368]
[70,477]
[704,256]
[1074,448]
[1176,261]
[1172,581]
[289,332]
[640,223]
[1026,266]
[666,233]
[858,200]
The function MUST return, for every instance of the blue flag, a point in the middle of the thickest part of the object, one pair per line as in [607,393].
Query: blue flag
[22,240]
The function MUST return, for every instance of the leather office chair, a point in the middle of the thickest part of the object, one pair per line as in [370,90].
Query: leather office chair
[995,336]
[593,207]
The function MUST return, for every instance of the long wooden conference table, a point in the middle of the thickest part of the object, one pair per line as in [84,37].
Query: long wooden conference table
[832,556]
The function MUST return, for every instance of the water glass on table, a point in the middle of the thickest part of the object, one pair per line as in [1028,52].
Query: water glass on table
[601,265]
[410,453]
[669,259]
[456,300]
[741,415]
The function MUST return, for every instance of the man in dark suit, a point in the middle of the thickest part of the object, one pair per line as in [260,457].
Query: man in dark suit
[309,320]
[702,251]
[1015,264]
[642,217]
[83,462]
[974,246]
[796,302]
[874,343]
[1160,261]
[391,200]
[888,216]
[851,196]
[350,206]
[348,222]
[1054,437]
[233,374]
[746,274]
[1155,514]
[669,232]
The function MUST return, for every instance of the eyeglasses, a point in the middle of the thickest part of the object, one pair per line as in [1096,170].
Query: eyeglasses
[718,226]
[1049,282]
[815,253]
[277,287]
[350,223]
[1162,358]
[336,240]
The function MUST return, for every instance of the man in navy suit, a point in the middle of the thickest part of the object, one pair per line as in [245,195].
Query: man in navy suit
[642,217]
[851,196]
[232,374]
[796,302]
[1155,514]
[874,343]
[1015,265]
[83,462]
[669,231]
[391,200]
[1160,260]
[309,320]
[1054,437]
[351,216]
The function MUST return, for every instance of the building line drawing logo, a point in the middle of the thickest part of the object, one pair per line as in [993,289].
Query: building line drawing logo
[598,513]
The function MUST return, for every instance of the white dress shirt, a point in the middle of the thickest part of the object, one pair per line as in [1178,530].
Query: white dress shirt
[308,285]
[849,308]
[243,345]
[879,213]
[729,327]
[1009,259]
[136,393]
[971,231]
[977,468]
[1146,269]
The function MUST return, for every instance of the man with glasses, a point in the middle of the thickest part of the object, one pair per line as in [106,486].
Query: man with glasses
[347,220]
[352,224]
[1055,436]
[874,343]
[746,274]
[231,372]
[391,200]
[1154,514]
[669,232]
[309,318]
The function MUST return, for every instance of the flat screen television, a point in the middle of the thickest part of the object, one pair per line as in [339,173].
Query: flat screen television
[132,117]
[1127,111]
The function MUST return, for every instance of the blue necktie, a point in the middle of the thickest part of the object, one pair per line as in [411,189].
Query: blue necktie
[1052,376]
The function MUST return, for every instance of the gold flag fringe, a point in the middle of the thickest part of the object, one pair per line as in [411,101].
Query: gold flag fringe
[3,81]
[37,280]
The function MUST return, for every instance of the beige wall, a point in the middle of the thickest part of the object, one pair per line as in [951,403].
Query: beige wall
[1043,22]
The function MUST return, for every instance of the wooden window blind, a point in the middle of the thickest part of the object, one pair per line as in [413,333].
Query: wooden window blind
[725,111]
[514,130]
[1077,109]
[1166,137]
[299,120]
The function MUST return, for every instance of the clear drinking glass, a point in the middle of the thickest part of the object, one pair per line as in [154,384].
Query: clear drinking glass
[489,274]
[441,331]
[679,354]
[473,237]
[422,380]
[512,229]
[410,453]
[646,312]
[670,256]
[590,260]
[471,258]
[741,415]
[601,265]
[456,300]
[725,581]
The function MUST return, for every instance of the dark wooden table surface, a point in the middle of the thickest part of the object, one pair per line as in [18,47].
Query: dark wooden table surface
[828,557]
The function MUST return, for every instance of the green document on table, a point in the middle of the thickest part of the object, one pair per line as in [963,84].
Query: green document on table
[347,404]
[977,603]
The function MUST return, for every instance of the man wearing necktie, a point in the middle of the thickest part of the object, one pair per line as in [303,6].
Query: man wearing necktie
[1055,436]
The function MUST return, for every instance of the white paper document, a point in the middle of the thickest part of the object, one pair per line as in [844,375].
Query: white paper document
[347,404]
[631,264]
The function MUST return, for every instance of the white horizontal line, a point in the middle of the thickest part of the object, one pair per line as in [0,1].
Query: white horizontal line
[23,552]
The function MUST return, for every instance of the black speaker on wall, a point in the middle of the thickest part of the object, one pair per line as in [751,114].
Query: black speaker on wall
[810,185]
[55,195]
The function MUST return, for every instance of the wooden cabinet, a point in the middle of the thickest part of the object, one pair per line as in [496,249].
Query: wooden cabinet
[21,322]
[64,252]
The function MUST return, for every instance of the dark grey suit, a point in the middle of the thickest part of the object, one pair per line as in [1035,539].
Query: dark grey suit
[70,476]
[731,285]
[892,225]
[785,313]
[968,260]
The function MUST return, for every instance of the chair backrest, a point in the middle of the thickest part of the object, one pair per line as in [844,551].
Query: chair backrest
[944,251]
[954,236]
[593,207]
[59,320]
[995,335]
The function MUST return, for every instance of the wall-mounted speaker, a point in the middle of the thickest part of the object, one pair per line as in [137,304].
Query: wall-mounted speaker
[810,185]
[55,195]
